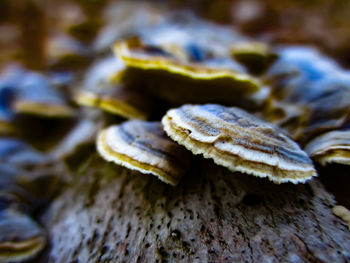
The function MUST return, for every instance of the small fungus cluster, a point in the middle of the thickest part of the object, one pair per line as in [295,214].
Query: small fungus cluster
[230,136]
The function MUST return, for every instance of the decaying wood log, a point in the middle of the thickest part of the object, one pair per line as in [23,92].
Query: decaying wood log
[111,214]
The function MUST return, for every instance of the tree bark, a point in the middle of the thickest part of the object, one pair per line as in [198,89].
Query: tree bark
[111,214]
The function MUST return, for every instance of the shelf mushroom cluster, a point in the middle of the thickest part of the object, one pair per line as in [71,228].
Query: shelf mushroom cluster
[178,90]
[29,92]
[230,136]
[28,179]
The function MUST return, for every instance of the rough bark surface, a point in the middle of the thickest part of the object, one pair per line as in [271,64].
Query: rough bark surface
[110,214]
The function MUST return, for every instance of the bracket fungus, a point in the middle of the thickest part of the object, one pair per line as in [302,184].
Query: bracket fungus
[33,94]
[6,114]
[21,238]
[330,147]
[36,96]
[239,141]
[143,146]
[6,127]
[343,213]
[257,56]
[179,81]
[28,180]
[289,117]
[304,77]
[115,98]
[64,51]
[201,87]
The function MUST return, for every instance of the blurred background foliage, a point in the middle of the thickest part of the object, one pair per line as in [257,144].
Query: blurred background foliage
[26,25]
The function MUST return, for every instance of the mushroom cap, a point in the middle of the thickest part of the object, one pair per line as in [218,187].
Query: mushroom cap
[257,56]
[290,117]
[36,96]
[239,141]
[299,72]
[21,238]
[303,76]
[331,147]
[116,100]
[169,76]
[343,213]
[329,112]
[17,152]
[64,51]
[27,175]
[6,121]
[143,146]
[113,98]
[135,54]
[6,127]
[7,117]
[32,93]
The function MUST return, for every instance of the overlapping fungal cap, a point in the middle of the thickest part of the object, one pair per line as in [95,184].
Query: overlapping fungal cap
[143,146]
[63,51]
[25,190]
[28,175]
[343,213]
[331,147]
[257,56]
[114,98]
[178,80]
[19,153]
[302,74]
[186,30]
[290,117]
[32,93]
[329,112]
[6,125]
[135,54]
[6,115]
[239,141]
[83,133]
[28,180]
[121,101]
[304,77]
[21,238]
[7,95]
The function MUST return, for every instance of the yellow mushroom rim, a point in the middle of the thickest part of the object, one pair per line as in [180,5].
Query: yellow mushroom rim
[334,156]
[256,48]
[134,57]
[6,127]
[109,104]
[331,147]
[138,148]
[43,109]
[238,141]
[257,56]
[291,117]
[23,250]
[343,213]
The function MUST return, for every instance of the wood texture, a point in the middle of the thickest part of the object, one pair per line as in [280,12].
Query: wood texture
[110,214]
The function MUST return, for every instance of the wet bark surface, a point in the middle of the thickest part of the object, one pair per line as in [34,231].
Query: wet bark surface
[111,214]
